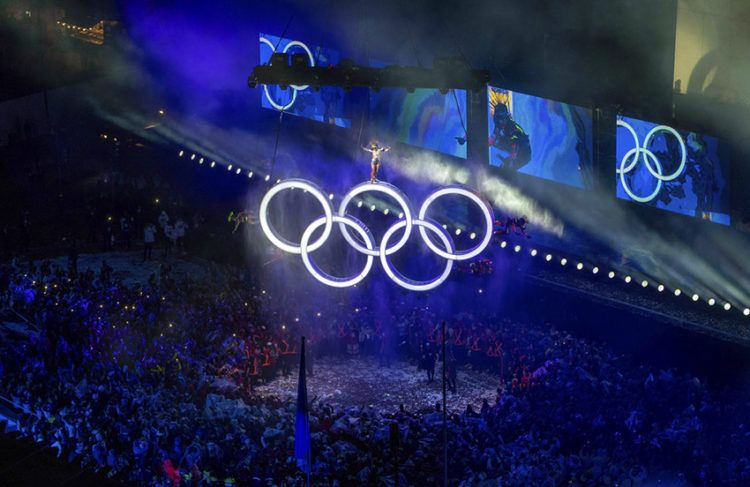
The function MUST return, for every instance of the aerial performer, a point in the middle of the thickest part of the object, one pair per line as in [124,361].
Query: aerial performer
[376,151]
[238,219]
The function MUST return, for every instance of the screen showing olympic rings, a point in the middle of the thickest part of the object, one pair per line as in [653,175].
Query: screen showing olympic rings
[540,137]
[326,105]
[675,170]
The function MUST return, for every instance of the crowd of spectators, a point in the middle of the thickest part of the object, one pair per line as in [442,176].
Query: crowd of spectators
[154,383]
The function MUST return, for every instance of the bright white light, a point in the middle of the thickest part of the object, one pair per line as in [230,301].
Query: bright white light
[696,297]
[579,266]
[401,215]
[278,181]
[239,170]
[213,163]
[181,153]
[330,196]
[445,227]
[386,211]
[746,312]
[359,205]
[711,301]
[458,231]
[200,161]
[677,292]
[661,288]
[595,270]
[472,235]
[548,257]
[727,306]
[644,283]
[268,177]
[628,279]
[517,248]
[249,174]
[192,157]
[503,244]
[533,252]
[611,274]
[229,167]
[372,208]
[563,261]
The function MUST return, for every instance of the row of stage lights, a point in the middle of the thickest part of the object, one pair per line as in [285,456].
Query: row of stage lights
[238,171]
[458,231]
[626,278]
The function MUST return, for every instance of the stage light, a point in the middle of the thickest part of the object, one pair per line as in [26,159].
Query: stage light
[372,208]
[359,204]
[611,274]
[644,283]
[161,112]
[563,261]
[229,167]
[200,161]
[517,248]
[481,290]
[317,314]
[503,244]
[458,231]
[628,279]
[727,306]
[181,153]
[192,157]
[533,252]
[249,174]
[746,312]
[660,288]
[239,170]
[711,301]
[213,163]
[386,211]
[156,200]
[579,266]
[677,292]
[330,196]
[595,270]
[548,257]
[268,177]
[278,181]
[696,297]
[445,227]
[472,235]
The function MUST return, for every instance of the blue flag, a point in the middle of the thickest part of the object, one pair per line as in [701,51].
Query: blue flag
[302,446]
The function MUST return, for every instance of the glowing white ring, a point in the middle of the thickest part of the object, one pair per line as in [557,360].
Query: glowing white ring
[399,278]
[683,151]
[281,242]
[294,88]
[656,169]
[391,191]
[640,199]
[324,277]
[480,202]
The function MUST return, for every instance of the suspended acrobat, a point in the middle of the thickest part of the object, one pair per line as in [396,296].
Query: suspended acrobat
[375,150]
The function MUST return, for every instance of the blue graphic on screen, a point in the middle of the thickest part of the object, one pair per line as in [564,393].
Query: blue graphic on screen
[540,137]
[326,105]
[675,170]
[425,118]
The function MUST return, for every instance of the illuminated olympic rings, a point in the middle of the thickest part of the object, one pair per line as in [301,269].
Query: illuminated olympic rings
[627,165]
[295,88]
[366,243]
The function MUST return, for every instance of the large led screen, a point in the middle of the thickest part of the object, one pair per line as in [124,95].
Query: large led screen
[675,170]
[326,105]
[425,118]
[540,137]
